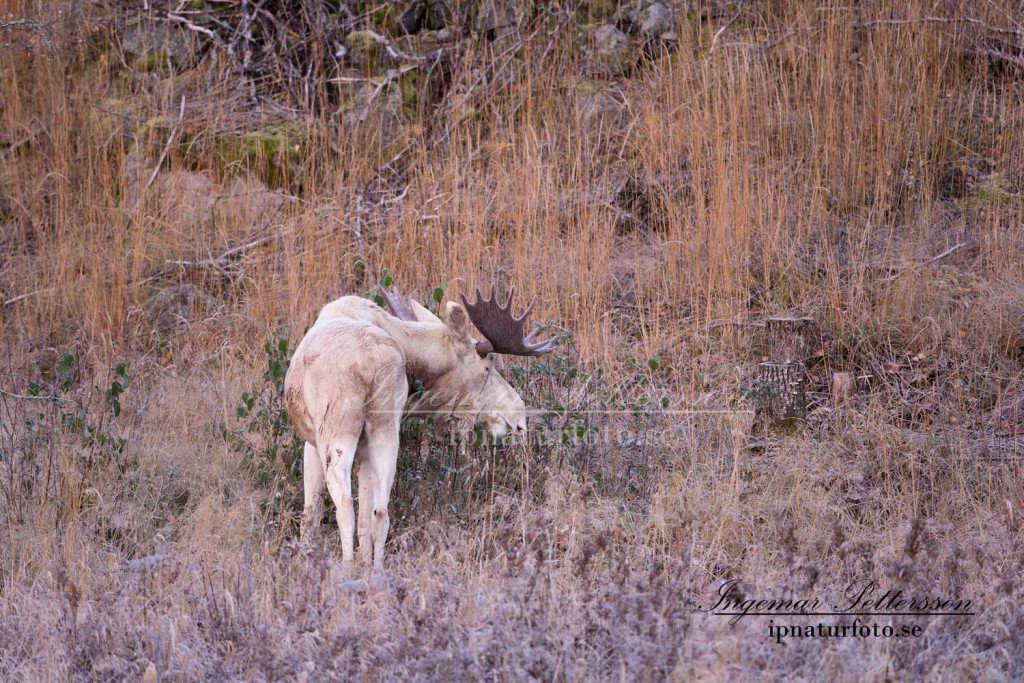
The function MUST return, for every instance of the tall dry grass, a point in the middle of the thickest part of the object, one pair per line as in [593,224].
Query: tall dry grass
[804,162]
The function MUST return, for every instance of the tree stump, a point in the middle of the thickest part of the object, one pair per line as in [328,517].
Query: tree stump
[780,391]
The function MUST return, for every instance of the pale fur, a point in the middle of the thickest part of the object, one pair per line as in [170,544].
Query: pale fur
[347,388]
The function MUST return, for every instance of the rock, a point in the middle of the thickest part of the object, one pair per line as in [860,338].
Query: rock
[451,14]
[651,21]
[594,105]
[183,200]
[494,15]
[153,45]
[992,190]
[613,51]
[413,17]
[177,306]
[272,154]
[159,61]
[415,88]
[376,109]
[367,51]
[447,35]
[657,21]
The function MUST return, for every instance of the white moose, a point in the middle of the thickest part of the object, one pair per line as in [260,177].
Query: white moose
[348,385]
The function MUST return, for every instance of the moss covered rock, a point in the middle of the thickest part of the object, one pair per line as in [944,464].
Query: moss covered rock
[612,49]
[367,52]
[992,190]
[595,103]
[157,61]
[152,45]
[271,154]
[373,115]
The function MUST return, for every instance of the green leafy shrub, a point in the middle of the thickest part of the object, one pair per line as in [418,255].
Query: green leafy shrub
[271,451]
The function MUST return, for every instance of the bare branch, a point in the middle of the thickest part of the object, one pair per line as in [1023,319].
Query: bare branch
[163,155]
[196,28]
[21,297]
[22,397]
[225,259]
[718,34]
[934,259]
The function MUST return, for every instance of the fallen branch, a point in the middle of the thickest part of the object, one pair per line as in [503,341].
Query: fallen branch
[725,323]
[225,259]
[938,20]
[196,28]
[32,26]
[22,297]
[923,264]
[49,399]
[905,22]
[389,76]
[999,55]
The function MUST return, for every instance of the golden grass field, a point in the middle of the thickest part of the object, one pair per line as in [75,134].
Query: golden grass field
[786,158]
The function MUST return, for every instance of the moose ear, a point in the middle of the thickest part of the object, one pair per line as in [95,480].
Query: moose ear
[423,314]
[457,320]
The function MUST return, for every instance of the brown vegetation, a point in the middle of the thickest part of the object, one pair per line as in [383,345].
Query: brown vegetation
[775,158]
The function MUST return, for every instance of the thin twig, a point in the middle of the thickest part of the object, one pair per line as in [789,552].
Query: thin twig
[224,259]
[51,399]
[14,145]
[923,264]
[724,323]
[196,28]
[22,297]
[389,76]
[163,155]
[718,34]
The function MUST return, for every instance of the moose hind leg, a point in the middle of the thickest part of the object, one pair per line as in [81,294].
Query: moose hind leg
[382,461]
[363,527]
[313,487]
[338,455]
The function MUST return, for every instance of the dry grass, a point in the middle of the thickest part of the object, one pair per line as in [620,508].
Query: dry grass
[815,154]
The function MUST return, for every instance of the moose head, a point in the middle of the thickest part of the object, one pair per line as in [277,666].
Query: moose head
[464,387]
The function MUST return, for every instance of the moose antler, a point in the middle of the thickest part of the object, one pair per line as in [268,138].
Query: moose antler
[502,331]
[399,306]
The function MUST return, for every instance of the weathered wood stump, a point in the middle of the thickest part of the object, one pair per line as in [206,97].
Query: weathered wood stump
[780,390]
[780,382]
